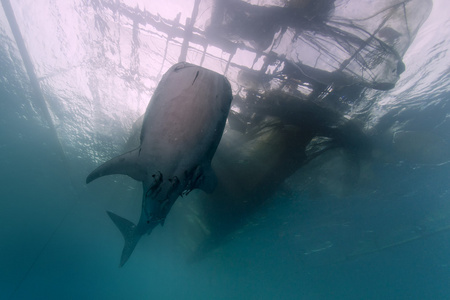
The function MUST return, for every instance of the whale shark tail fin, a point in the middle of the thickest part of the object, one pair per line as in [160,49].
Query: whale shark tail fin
[130,235]
[126,164]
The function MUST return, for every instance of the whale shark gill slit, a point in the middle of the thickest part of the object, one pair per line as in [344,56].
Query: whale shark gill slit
[196,75]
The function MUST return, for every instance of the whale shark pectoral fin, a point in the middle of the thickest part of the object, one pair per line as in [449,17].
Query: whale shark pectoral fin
[209,180]
[125,164]
[131,237]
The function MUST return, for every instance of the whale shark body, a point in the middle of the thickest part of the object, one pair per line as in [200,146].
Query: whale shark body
[182,127]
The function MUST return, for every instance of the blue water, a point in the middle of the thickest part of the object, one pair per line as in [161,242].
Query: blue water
[388,238]
[80,259]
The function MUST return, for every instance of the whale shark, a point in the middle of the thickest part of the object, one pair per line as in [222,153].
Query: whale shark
[182,127]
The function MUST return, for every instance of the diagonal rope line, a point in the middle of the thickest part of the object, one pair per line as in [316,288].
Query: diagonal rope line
[42,104]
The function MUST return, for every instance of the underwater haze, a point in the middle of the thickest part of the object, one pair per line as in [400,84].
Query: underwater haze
[348,198]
